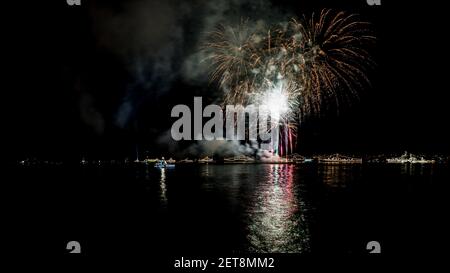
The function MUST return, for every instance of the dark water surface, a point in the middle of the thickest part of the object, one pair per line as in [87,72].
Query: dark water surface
[317,209]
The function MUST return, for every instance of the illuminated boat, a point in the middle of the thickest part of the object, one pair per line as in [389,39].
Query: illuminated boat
[171,161]
[340,159]
[296,158]
[239,159]
[205,160]
[186,160]
[83,162]
[161,165]
[403,159]
[151,160]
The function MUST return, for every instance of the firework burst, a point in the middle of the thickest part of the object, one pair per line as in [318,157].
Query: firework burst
[233,52]
[295,68]
[335,58]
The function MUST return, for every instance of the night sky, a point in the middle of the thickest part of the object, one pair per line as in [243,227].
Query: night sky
[99,79]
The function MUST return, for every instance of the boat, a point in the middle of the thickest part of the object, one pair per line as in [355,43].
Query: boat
[340,159]
[239,159]
[275,159]
[403,159]
[171,161]
[423,161]
[296,158]
[161,165]
[205,160]
[186,160]
[151,160]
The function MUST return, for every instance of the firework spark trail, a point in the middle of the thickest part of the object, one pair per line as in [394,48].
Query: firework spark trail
[337,59]
[295,68]
[234,56]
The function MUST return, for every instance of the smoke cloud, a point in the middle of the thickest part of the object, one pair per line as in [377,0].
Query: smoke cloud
[159,42]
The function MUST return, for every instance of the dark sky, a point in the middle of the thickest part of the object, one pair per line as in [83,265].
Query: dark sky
[98,79]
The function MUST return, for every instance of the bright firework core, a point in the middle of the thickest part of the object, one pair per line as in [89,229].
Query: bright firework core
[276,100]
[281,105]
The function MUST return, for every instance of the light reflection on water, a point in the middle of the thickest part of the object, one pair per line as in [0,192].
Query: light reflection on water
[276,220]
[312,208]
[162,184]
[268,208]
[417,169]
[268,199]
[339,175]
